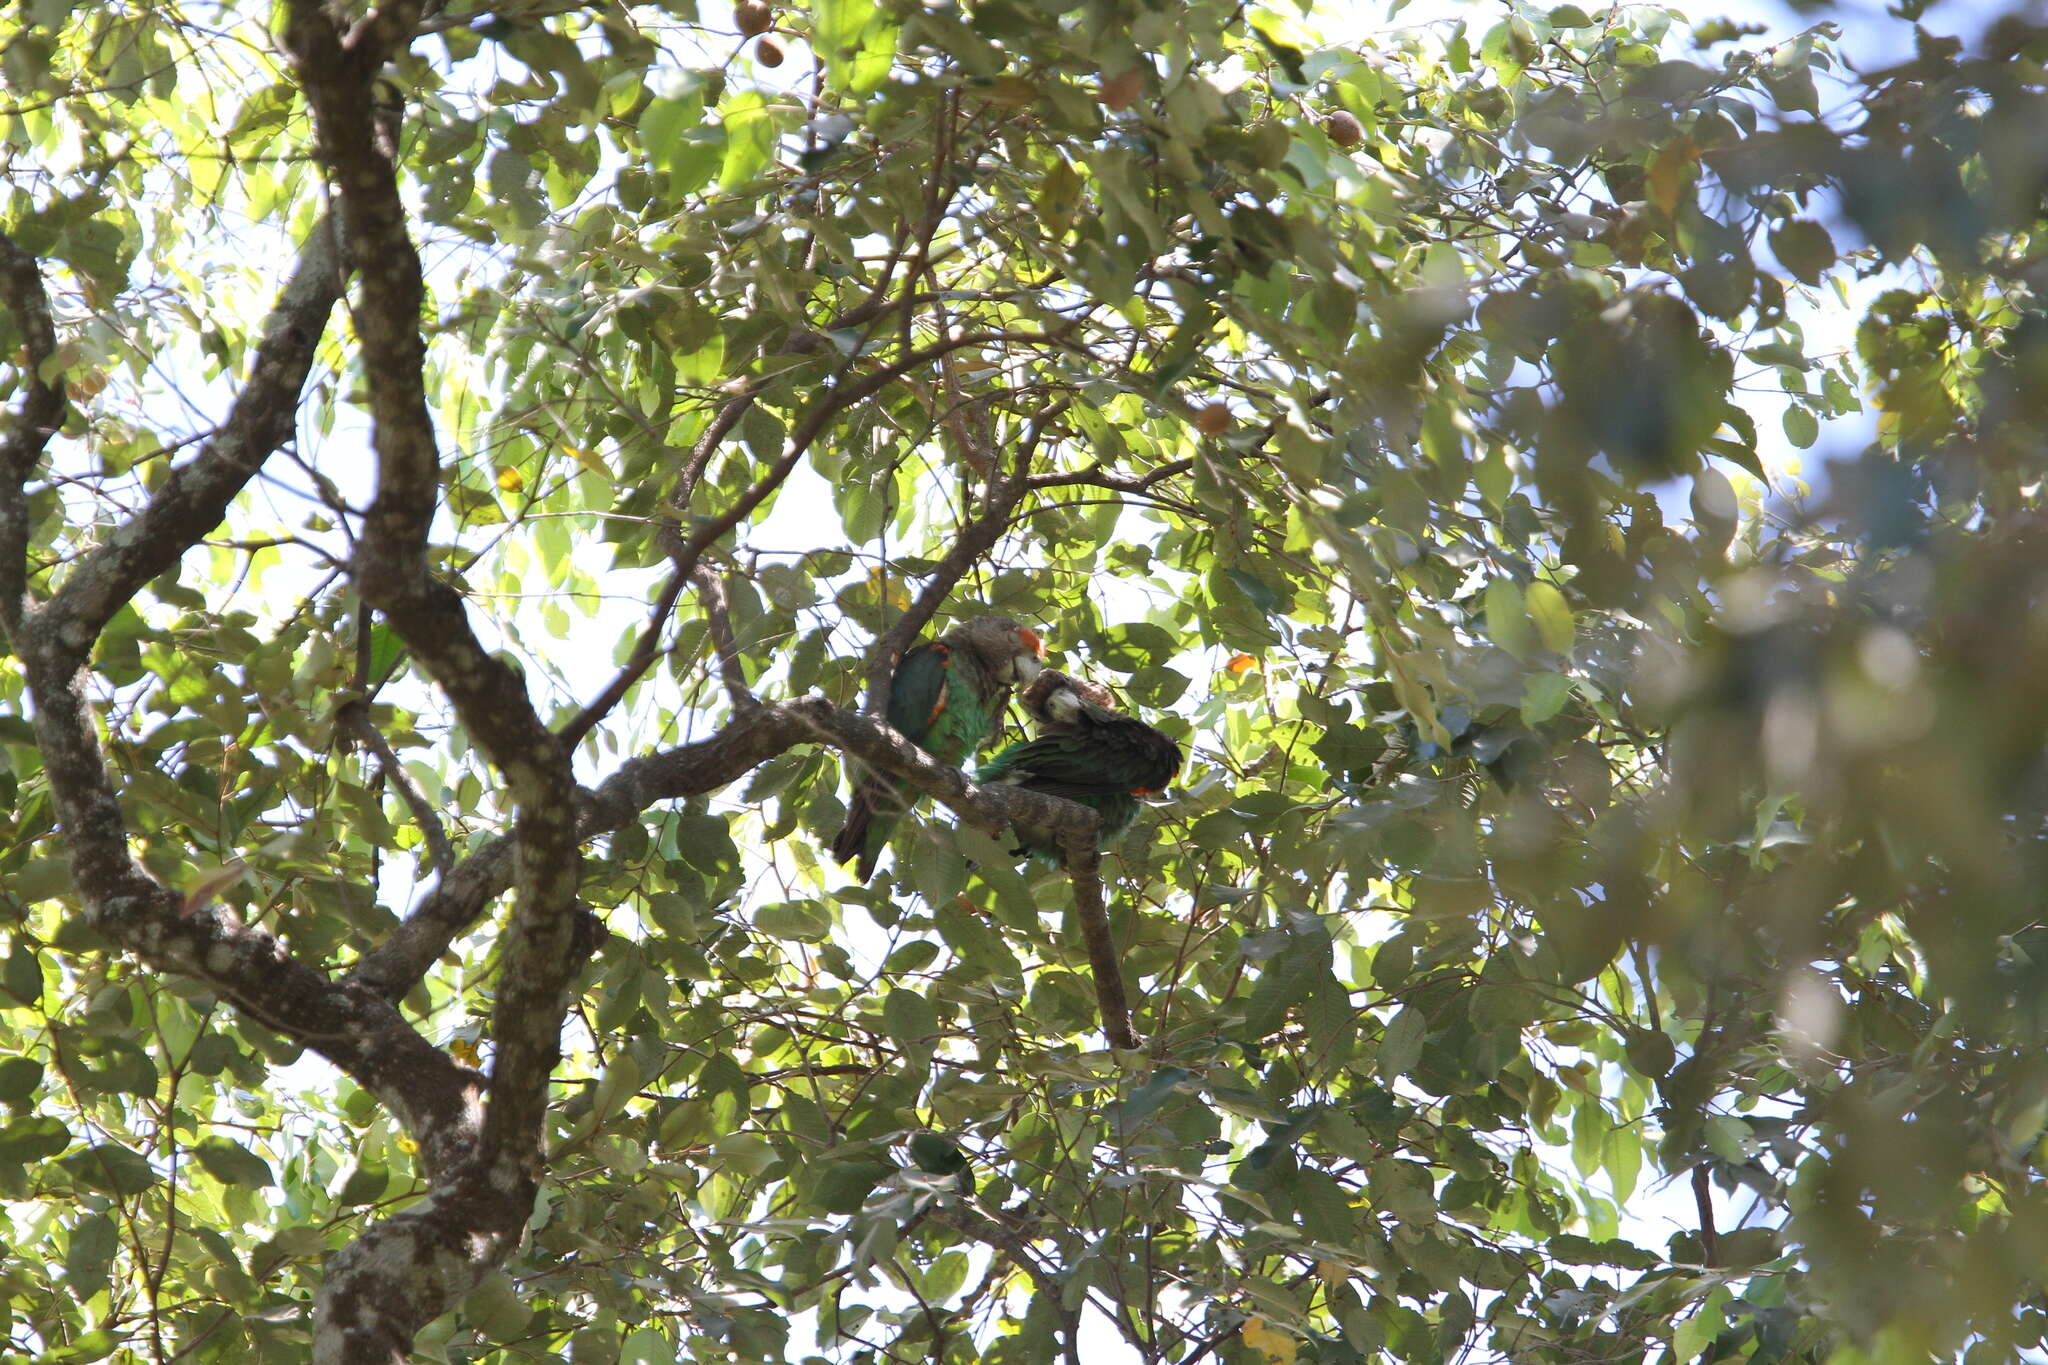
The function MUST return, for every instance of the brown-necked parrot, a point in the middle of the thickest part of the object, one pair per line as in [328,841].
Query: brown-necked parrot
[1087,752]
[948,698]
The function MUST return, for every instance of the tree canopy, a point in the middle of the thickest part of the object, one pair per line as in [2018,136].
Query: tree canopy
[469,471]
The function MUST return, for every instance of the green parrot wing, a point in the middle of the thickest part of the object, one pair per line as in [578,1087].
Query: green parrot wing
[918,696]
[1111,756]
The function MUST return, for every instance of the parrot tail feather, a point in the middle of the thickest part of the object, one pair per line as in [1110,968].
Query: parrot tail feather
[853,844]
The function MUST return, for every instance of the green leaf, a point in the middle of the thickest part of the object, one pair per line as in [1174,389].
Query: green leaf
[1551,616]
[1650,1052]
[94,1241]
[111,1167]
[857,45]
[1136,647]
[936,1154]
[24,975]
[843,1185]
[749,138]
[1507,618]
[1543,696]
[231,1163]
[1571,1249]
[33,1139]
[41,879]
[97,1344]
[1695,1333]
[1802,428]
[910,1019]
[19,1077]
[1286,980]
[1804,248]
[1401,1044]
[1128,1112]
[1263,596]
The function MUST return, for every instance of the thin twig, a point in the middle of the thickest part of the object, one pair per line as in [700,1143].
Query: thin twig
[352,718]
[1703,1199]
[645,651]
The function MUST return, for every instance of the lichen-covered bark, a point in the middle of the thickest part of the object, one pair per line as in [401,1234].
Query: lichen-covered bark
[195,497]
[479,1137]
[411,1268]
[708,765]
[29,427]
[358,1030]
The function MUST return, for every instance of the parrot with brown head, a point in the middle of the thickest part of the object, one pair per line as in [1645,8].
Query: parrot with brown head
[1086,751]
[947,697]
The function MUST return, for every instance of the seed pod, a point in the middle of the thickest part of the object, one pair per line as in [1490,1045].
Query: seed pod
[1343,128]
[768,52]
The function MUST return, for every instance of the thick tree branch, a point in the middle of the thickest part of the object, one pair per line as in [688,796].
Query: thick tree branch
[358,1031]
[1084,865]
[29,427]
[458,900]
[408,1269]
[195,497]
[355,1029]
[248,966]
[750,740]
[393,574]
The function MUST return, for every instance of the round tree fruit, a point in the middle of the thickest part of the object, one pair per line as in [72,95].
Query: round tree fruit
[1213,419]
[768,52]
[1343,128]
[753,17]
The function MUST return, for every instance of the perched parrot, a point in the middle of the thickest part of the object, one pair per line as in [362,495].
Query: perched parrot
[1087,752]
[948,698]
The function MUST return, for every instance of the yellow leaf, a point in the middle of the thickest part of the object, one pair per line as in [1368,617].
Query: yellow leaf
[1668,175]
[1276,1346]
[893,594]
[85,384]
[1240,663]
[510,480]
[591,461]
[464,1051]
